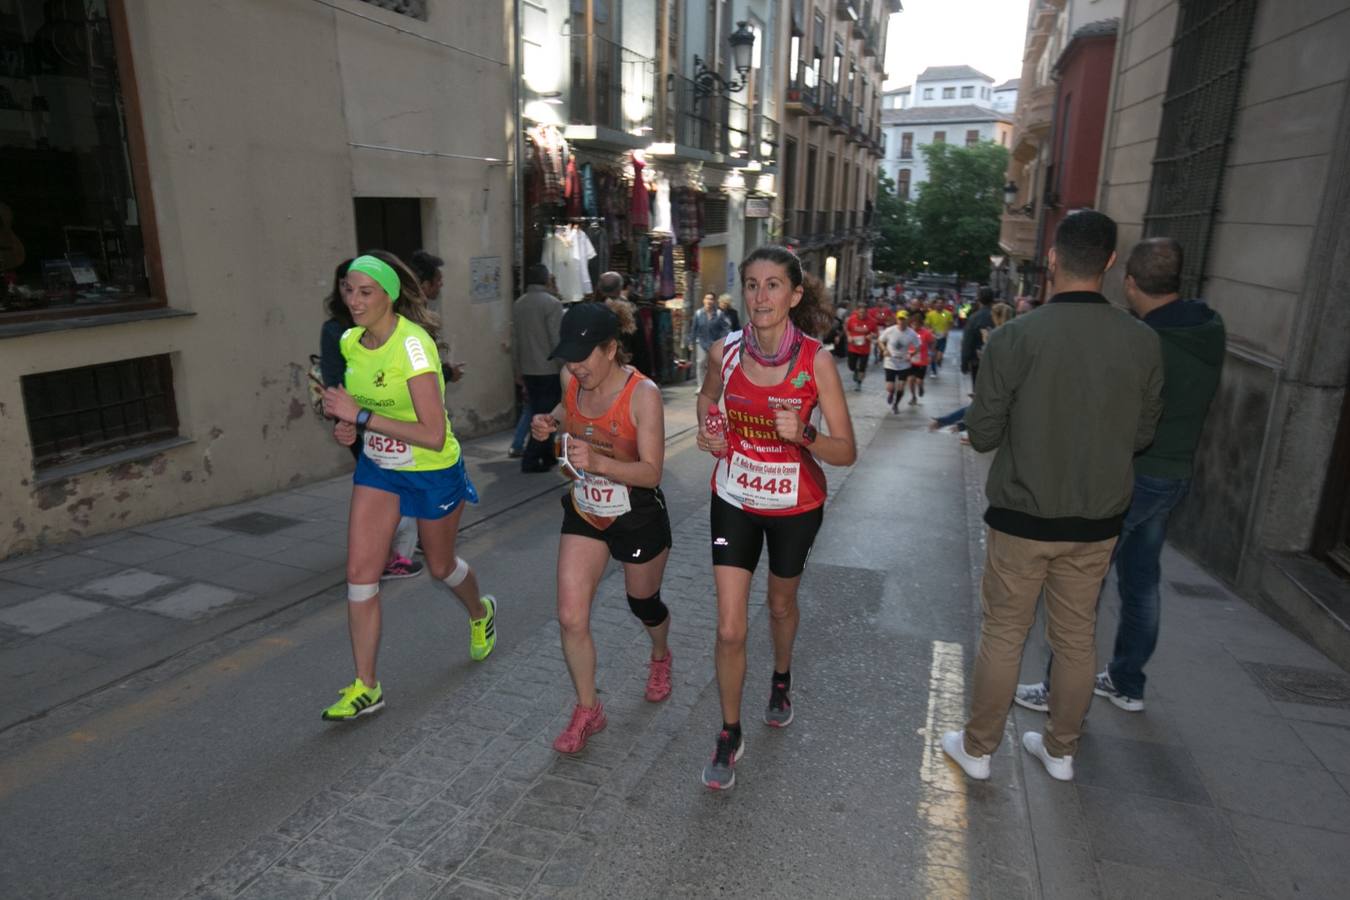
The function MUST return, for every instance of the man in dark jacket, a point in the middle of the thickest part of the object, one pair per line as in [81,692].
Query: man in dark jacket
[972,337]
[1192,339]
[536,317]
[1067,395]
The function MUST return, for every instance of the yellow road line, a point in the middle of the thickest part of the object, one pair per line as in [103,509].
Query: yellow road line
[942,804]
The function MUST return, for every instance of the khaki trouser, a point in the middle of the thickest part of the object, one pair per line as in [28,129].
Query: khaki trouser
[1015,571]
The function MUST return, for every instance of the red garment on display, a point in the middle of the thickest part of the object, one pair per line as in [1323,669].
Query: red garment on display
[639,211]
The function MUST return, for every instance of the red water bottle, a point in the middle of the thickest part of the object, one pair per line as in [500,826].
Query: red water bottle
[715,424]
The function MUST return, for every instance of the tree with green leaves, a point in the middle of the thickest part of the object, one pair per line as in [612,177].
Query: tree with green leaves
[898,248]
[960,206]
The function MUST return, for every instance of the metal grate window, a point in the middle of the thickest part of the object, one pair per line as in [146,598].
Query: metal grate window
[1203,87]
[416,9]
[99,408]
[715,214]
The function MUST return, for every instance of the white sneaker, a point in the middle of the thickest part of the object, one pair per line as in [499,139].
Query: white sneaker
[954,745]
[1059,767]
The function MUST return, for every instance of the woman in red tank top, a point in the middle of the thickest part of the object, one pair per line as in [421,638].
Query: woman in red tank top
[612,424]
[768,487]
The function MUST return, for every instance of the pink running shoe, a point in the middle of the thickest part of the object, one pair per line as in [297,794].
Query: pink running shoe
[401,567]
[585,722]
[658,679]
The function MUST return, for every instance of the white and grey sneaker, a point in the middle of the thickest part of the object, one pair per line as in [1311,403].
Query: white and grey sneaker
[1104,687]
[1059,767]
[954,745]
[1033,696]
[720,772]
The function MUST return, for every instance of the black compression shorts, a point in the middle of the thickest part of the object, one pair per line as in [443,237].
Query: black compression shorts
[857,362]
[638,536]
[738,537]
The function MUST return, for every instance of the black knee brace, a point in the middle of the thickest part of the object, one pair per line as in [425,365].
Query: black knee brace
[652,612]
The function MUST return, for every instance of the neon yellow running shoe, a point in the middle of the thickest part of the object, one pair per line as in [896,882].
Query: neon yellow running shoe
[357,700]
[483,632]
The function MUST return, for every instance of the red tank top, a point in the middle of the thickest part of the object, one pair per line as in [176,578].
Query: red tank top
[763,474]
[611,434]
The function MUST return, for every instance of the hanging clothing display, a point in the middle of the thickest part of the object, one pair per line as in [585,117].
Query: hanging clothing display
[567,253]
[572,189]
[588,191]
[639,213]
[667,270]
[661,206]
[548,153]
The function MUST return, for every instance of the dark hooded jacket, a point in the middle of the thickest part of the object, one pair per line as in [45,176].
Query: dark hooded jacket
[1191,337]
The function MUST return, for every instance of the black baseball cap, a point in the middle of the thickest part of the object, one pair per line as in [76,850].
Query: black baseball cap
[584,326]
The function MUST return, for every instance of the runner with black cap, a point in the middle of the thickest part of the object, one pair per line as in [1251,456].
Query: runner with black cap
[612,446]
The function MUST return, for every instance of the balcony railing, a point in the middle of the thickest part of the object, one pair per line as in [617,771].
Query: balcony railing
[764,140]
[712,123]
[611,86]
[1017,235]
[840,223]
[802,97]
[799,225]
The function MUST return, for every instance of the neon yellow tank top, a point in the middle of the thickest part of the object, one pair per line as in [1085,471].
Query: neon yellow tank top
[378,381]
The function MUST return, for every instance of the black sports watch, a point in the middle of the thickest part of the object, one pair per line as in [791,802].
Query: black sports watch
[363,419]
[808,435]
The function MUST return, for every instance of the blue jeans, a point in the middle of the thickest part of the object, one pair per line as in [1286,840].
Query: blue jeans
[1138,572]
[522,428]
[1137,575]
[953,418]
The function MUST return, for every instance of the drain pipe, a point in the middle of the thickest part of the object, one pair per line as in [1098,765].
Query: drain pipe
[518,151]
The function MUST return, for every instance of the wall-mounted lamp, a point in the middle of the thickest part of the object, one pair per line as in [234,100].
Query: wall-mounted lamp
[1010,197]
[707,82]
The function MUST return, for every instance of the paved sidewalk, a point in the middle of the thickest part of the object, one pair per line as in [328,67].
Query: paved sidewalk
[84,615]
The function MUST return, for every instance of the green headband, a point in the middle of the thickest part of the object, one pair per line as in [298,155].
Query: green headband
[383,274]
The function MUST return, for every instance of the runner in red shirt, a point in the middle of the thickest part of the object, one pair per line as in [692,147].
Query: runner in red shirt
[862,333]
[920,357]
[771,379]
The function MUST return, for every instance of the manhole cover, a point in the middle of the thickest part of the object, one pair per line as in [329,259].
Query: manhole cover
[1295,684]
[256,523]
[1211,591]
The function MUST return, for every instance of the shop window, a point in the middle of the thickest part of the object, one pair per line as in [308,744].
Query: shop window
[71,215]
[93,410]
[389,223]
[972,137]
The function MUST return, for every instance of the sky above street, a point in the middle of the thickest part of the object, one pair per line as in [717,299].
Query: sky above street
[985,34]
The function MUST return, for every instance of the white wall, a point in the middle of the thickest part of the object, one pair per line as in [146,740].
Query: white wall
[923,135]
[981,90]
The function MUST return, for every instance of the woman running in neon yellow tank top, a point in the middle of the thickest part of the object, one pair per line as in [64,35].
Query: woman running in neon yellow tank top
[393,404]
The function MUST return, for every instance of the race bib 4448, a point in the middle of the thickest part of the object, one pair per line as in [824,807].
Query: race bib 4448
[763,485]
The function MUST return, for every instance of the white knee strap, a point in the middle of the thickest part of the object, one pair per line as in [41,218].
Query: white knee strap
[360,593]
[456,578]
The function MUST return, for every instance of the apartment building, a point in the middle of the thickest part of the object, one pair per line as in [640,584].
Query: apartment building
[947,104]
[1059,118]
[177,183]
[832,141]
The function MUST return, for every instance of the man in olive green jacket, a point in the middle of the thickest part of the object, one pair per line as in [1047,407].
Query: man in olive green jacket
[1066,395]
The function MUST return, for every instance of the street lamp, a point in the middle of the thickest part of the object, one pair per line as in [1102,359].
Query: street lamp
[1010,194]
[707,82]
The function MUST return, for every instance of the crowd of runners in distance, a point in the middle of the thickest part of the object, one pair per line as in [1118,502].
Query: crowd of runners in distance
[771,409]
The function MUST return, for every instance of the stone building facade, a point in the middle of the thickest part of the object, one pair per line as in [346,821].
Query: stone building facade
[1245,157]
[177,183]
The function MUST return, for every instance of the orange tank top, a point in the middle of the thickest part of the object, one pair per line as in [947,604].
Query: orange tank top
[612,433]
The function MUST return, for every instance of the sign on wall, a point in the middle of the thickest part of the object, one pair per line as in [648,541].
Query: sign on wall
[758,207]
[485,279]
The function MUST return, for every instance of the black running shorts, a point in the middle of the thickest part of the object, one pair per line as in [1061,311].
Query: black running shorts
[896,375]
[638,536]
[857,362]
[738,536]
